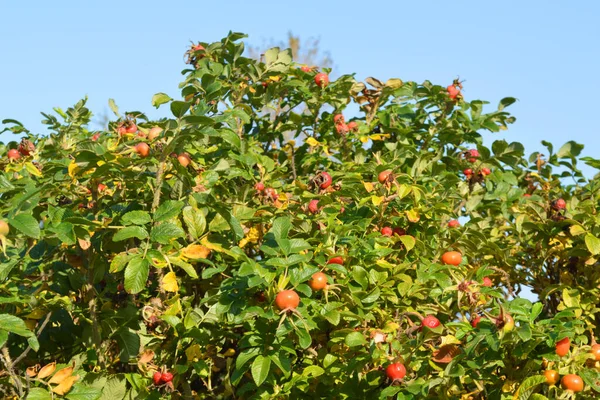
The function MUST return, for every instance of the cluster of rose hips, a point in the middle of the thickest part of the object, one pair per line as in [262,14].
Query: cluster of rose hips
[572,382]
[341,127]
[454,90]
[24,150]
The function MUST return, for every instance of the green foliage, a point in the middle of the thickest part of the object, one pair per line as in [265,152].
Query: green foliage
[119,265]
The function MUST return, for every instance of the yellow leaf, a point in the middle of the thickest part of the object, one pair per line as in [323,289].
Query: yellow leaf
[368,186]
[47,370]
[413,215]
[312,142]
[275,78]
[229,353]
[577,230]
[193,353]
[169,282]
[364,139]
[73,168]
[377,200]
[379,136]
[65,385]
[393,83]
[32,169]
[195,251]
[61,375]
[37,313]
[100,163]
[449,339]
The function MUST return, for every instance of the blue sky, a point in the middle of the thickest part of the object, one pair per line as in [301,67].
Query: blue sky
[545,53]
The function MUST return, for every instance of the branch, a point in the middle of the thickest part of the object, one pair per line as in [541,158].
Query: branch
[39,332]
[159,180]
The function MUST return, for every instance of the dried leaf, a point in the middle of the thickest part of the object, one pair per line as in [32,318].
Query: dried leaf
[84,244]
[376,83]
[32,371]
[146,357]
[446,353]
[47,370]
[65,385]
[195,251]
[61,375]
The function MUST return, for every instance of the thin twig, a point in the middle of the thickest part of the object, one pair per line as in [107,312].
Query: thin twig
[39,332]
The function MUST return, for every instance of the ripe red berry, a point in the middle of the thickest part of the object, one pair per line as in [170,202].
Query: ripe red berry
[562,347]
[487,282]
[468,172]
[352,126]
[473,155]
[306,68]
[318,281]
[287,300]
[559,204]
[526,195]
[475,321]
[313,206]
[453,91]
[430,321]
[485,171]
[13,154]
[336,260]
[326,180]
[95,137]
[384,176]
[166,377]
[259,186]
[386,231]
[322,79]
[395,371]
[156,378]
[453,223]
[342,128]
[338,119]
[131,128]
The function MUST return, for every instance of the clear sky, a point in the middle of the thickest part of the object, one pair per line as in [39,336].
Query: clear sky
[545,53]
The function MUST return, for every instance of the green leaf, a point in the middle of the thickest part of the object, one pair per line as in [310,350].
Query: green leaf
[167,210]
[115,388]
[3,337]
[179,108]
[82,391]
[136,274]
[354,339]
[281,227]
[260,369]
[536,310]
[313,370]
[166,232]
[592,243]
[408,241]
[159,99]
[129,343]
[569,149]
[130,232]
[27,225]
[136,218]
[65,233]
[188,268]
[526,388]
[33,343]
[15,325]
[195,221]
[39,394]
[119,262]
